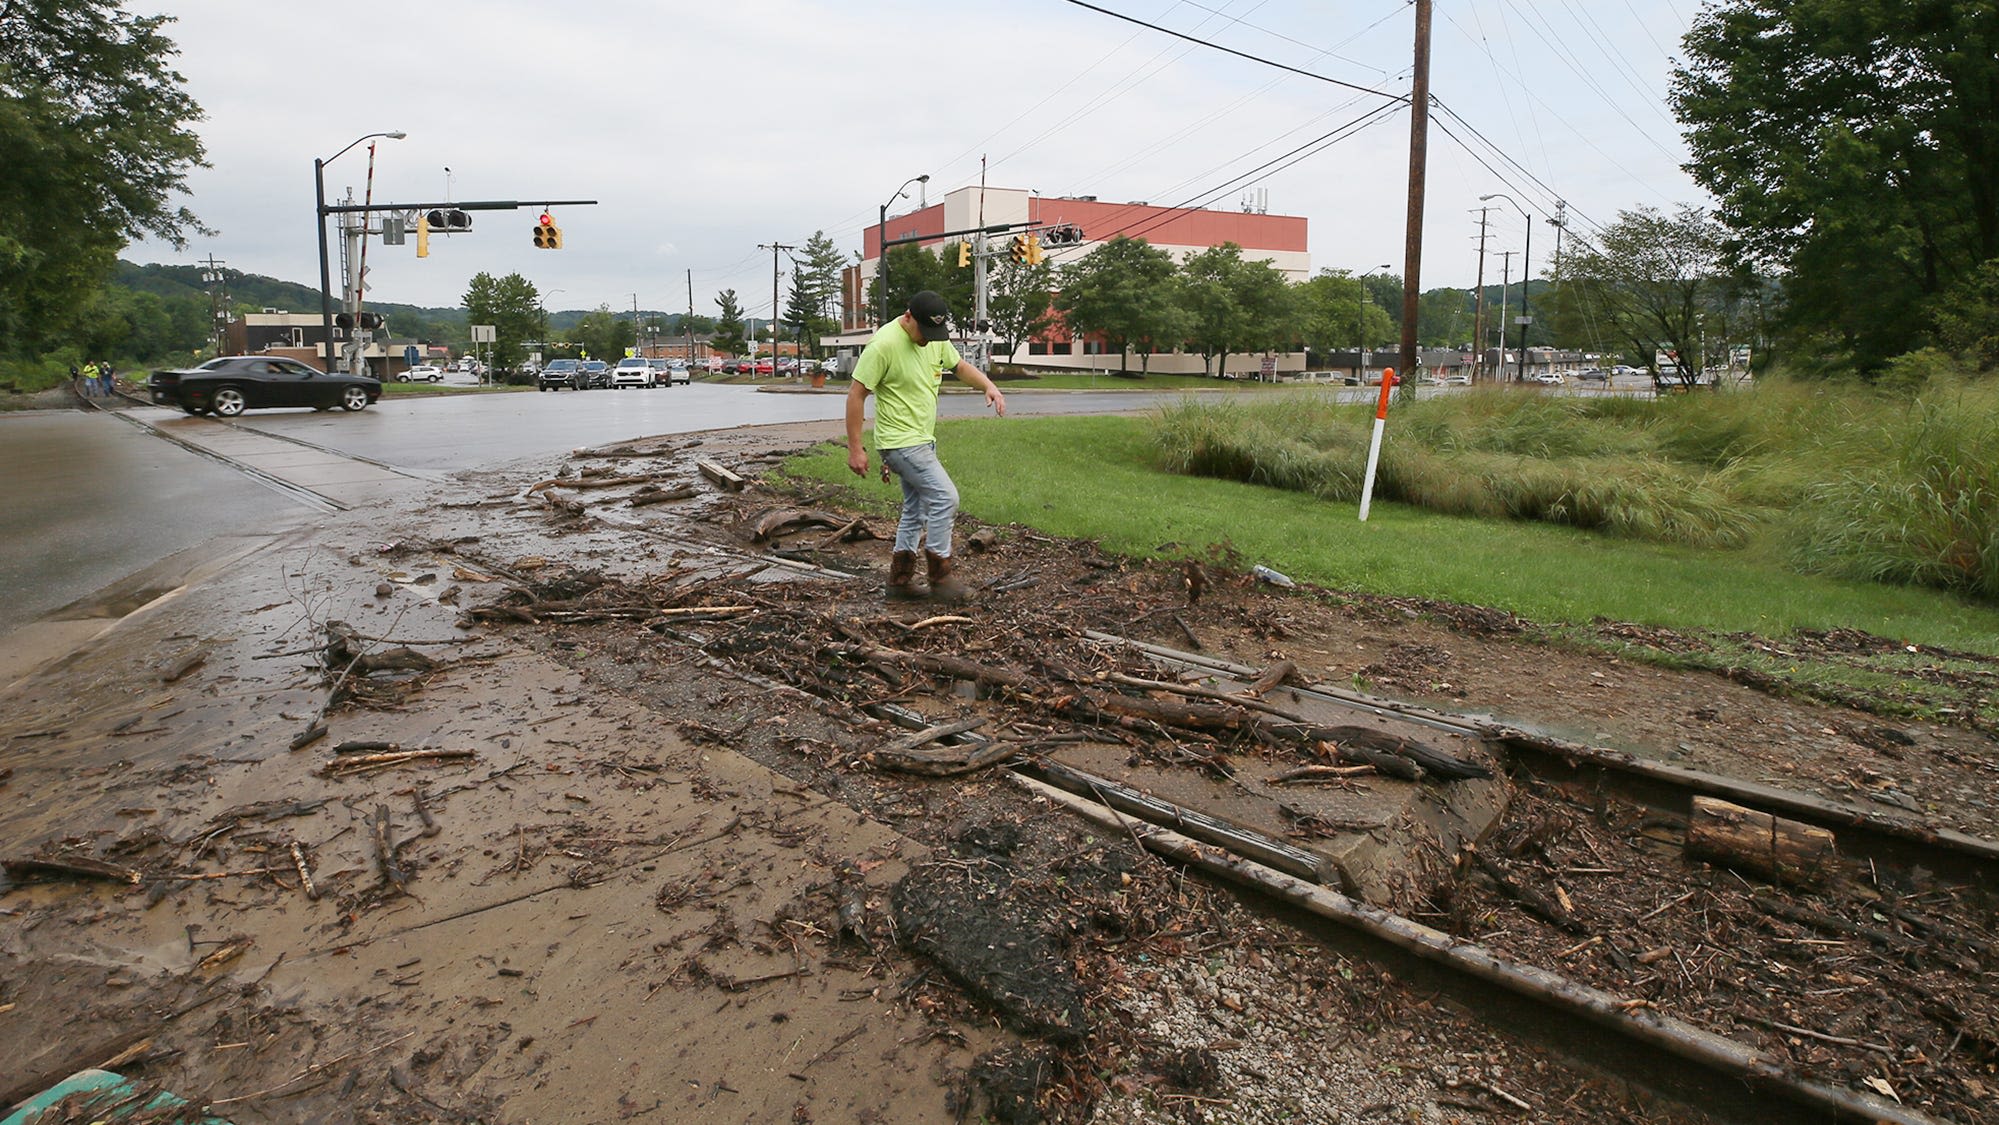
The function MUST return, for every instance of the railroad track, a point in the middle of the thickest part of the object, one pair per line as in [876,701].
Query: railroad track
[1659,1048]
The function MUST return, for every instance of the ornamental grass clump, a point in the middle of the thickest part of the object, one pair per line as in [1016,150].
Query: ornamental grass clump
[1913,496]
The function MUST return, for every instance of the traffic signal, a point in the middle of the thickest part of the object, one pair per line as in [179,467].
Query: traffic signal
[423,236]
[547,236]
[964,254]
[448,219]
[1034,254]
[1017,249]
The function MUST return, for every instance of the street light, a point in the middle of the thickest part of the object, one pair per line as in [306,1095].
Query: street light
[1362,316]
[1526,266]
[881,264]
[325,279]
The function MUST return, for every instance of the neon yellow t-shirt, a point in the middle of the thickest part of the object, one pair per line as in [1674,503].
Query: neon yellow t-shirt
[904,377]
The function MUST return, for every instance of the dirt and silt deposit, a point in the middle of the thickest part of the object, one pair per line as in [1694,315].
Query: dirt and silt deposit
[618,813]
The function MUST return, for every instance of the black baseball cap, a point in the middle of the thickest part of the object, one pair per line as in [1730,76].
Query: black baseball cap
[932,316]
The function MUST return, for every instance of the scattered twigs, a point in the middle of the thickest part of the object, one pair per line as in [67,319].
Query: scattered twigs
[1837,1040]
[1198,692]
[1531,900]
[1272,676]
[594,482]
[949,762]
[662,495]
[417,798]
[1311,774]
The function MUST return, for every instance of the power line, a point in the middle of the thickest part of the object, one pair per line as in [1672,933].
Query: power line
[1241,54]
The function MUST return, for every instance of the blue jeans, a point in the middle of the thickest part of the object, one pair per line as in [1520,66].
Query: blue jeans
[929,499]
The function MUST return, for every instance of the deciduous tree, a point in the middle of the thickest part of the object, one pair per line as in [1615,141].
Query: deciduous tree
[1122,289]
[512,305]
[94,125]
[1655,281]
[1852,145]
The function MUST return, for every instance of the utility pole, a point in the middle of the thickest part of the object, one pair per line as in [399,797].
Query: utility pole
[218,303]
[1419,130]
[638,345]
[690,323]
[775,249]
[1478,316]
[1559,222]
[1505,279]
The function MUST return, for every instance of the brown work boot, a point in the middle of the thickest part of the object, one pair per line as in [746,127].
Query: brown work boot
[944,586]
[902,585]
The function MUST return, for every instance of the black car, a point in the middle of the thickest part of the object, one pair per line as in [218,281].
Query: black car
[558,374]
[228,385]
[593,373]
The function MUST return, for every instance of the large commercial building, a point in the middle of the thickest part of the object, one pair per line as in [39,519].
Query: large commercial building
[1181,231]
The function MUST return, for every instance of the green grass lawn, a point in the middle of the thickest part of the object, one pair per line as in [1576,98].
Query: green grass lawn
[1098,478]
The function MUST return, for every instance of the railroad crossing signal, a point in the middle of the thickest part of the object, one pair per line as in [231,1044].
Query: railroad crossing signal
[547,236]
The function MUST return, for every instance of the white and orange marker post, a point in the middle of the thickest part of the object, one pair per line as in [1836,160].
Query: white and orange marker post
[1374,446]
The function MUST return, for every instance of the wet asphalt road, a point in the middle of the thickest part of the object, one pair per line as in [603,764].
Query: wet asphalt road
[90,499]
[481,432]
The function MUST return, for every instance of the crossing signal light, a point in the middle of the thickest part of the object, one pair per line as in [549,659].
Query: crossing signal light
[1017,249]
[964,254]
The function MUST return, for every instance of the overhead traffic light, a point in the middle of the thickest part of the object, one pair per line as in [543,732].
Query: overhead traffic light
[1065,234]
[422,236]
[547,236]
[1017,249]
[448,219]
[1034,254]
[964,254]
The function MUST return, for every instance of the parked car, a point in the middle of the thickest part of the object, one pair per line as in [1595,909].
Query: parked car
[1546,378]
[1594,375]
[421,373]
[1458,380]
[632,372]
[738,367]
[765,366]
[558,374]
[679,372]
[229,385]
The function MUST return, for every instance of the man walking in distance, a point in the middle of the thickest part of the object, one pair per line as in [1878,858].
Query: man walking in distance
[903,366]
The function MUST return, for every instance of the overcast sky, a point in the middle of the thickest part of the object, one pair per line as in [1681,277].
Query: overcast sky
[704,129]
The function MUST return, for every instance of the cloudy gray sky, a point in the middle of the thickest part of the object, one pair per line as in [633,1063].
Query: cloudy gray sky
[705,129]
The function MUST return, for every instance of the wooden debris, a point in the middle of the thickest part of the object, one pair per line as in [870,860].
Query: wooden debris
[304,871]
[1320,773]
[308,736]
[362,763]
[1533,901]
[346,648]
[1758,843]
[662,495]
[721,476]
[385,849]
[781,520]
[1272,676]
[72,867]
[593,480]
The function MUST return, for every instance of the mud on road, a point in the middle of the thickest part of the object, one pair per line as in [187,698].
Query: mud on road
[675,868]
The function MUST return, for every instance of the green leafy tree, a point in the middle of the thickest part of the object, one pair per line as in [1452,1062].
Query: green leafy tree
[1851,144]
[1335,310]
[1443,318]
[1233,306]
[94,124]
[512,305]
[603,335]
[1660,283]
[1018,302]
[1122,289]
[729,326]
[912,269]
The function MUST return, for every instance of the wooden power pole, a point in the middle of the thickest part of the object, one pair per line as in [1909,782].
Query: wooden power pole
[1419,132]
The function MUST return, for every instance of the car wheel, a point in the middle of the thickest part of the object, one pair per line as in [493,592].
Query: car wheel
[353,398]
[403,377]
[229,401]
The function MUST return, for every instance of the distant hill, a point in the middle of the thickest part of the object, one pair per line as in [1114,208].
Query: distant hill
[250,290]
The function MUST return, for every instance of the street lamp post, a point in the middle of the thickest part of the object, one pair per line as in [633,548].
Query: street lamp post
[881,263]
[325,277]
[1362,318]
[1526,266]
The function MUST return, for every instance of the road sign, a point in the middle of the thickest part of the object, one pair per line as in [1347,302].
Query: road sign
[482,334]
[410,355]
